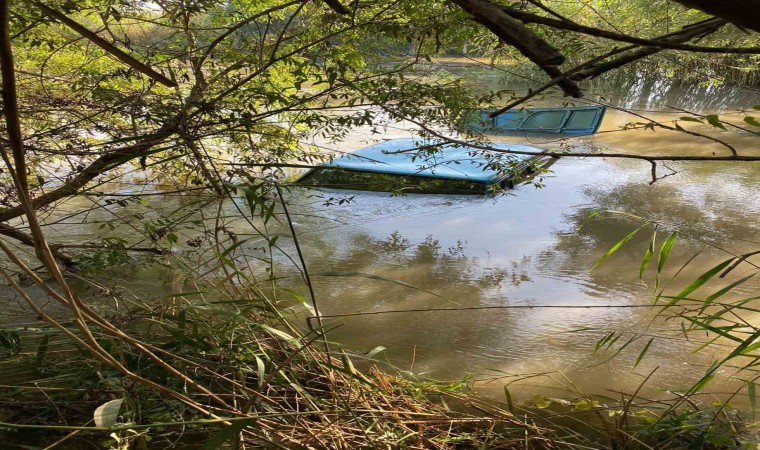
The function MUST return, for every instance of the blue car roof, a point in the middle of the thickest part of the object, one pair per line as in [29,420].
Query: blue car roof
[449,161]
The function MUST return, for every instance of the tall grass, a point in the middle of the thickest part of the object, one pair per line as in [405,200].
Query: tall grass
[220,362]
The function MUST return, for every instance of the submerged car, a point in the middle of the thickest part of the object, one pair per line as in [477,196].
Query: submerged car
[414,166]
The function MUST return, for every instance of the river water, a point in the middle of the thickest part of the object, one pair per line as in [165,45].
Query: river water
[533,247]
[513,272]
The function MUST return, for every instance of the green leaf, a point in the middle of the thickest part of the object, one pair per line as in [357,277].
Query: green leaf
[542,402]
[584,405]
[643,352]
[647,256]
[690,119]
[723,291]
[607,340]
[704,278]
[593,214]
[280,334]
[232,247]
[746,346]
[107,413]
[227,434]
[713,120]
[716,330]
[617,246]
[752,393]
[301,299]
[750,349]
[752,121]
[510,405]
[662,256]
[703,382]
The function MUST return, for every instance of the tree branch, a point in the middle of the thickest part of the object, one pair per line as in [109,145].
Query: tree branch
[587,70]
[743,13]
[568,25]
[514,33]
[555,81]
[105,45]
[96,168]
[684,35]
[7,230]
[337,6]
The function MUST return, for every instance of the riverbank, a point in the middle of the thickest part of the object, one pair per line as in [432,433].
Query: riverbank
[251,380]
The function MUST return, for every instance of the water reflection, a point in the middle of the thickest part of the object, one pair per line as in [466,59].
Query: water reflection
[653,93]
[533,247]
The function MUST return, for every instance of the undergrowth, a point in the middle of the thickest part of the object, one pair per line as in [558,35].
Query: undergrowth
[280,387]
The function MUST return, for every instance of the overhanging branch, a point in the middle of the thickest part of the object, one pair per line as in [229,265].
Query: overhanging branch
[337,6]
[514,33]
[684,35]
[744,13]
[659,42]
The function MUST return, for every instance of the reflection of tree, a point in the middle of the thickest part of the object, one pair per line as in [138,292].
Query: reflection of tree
[706,227]
[428,265]
[694,212]
[638,89]
[439,276]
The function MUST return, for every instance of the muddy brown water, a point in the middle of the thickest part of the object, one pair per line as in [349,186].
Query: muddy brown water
[533,248]
[514,271]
